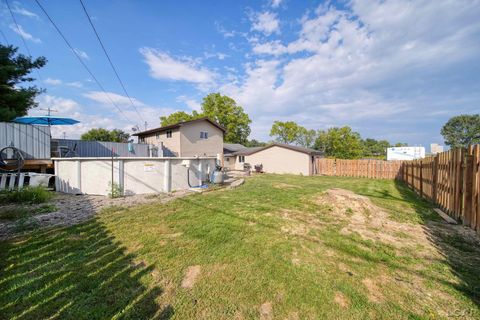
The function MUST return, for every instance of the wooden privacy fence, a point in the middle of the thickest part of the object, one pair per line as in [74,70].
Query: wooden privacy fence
[451,180]
[375,169]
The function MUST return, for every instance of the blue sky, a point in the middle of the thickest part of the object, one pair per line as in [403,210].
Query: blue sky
[390,69]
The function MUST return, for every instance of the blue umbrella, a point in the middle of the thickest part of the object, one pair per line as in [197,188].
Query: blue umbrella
[46,120]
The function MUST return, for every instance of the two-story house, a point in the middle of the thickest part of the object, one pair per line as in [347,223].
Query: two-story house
[199,137]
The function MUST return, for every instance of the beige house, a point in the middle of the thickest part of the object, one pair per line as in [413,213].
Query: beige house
[274,158]
[199,137]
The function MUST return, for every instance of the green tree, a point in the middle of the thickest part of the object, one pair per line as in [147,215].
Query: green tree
[177,117]
[375,148]
[225,111]
[255,143]
[306,138]
[401,144]
[286,132]
[221,109]
[100,134]
[342,143]
[462,130]
[15,97]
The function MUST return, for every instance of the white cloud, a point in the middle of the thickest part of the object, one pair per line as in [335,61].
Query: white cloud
[365,65]
[265,22]
[75,84]
[105,117]
[218,55]
[81,53]
[221,29]
[276,3]
[164,66]
[24,34]
[106,98]
[191,103]
[24,12]
[53,82]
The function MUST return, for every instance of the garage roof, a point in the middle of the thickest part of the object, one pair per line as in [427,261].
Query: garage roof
[249,151]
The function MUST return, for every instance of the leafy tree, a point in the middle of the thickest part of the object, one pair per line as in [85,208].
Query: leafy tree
[119,135]
[177,117]
[401,144]
[16,98]
[225,111]
[221,109]
[100,134]
[462,130]
[286,132]
[255,143]
[306,138]
[375,148]
[342,143]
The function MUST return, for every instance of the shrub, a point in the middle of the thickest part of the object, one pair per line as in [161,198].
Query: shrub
[115,191]
[13,213]
[25,195]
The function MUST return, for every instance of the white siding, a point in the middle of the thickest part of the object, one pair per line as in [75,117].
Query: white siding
[279,160]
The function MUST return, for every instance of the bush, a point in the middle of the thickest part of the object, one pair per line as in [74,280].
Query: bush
[115,191]
[25,195]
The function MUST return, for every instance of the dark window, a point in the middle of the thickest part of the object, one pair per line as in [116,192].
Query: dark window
[169,133]
[203,135]
[157,136]
[241,159]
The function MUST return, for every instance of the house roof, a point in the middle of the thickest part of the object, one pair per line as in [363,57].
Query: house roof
[233,147]
[249,151]
[177,125]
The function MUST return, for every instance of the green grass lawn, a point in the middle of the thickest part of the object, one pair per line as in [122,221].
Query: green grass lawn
[268,249]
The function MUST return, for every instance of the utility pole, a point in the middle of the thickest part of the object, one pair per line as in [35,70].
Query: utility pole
[49,111]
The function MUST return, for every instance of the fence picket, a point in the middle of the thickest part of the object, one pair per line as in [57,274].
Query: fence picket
[450,179]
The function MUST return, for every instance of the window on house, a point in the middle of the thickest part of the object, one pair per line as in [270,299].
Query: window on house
[157,135]
[228,159]
[141,139]
[241,159]
[203,135]
[169,133]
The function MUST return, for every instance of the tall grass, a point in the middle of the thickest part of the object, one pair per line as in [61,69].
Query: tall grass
[25,195]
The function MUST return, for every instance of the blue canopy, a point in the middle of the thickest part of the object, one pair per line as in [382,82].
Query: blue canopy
[46,120]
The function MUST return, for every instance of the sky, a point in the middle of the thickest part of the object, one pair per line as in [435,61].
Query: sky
[390,69]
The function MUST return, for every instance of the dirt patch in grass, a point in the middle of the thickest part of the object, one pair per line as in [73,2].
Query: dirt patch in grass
[282,185]
[374,292]
[341,299]
[266,311]
[191,276]
[363,217]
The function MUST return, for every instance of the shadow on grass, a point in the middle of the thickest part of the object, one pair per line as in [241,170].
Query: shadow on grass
[79,272]
[456,243]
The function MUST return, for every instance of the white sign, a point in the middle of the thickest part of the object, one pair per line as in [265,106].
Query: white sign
[405,153]
[148,167]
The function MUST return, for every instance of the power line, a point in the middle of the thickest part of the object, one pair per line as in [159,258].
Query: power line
[80,59]
[21,36]
[5,38]
[110,60]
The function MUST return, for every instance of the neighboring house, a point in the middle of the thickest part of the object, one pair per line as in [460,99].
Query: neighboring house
[199,137]
[275,158]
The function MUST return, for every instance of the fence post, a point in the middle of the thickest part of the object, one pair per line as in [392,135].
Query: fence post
[468,190]
[476,187]
[434,178]
[421,177]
